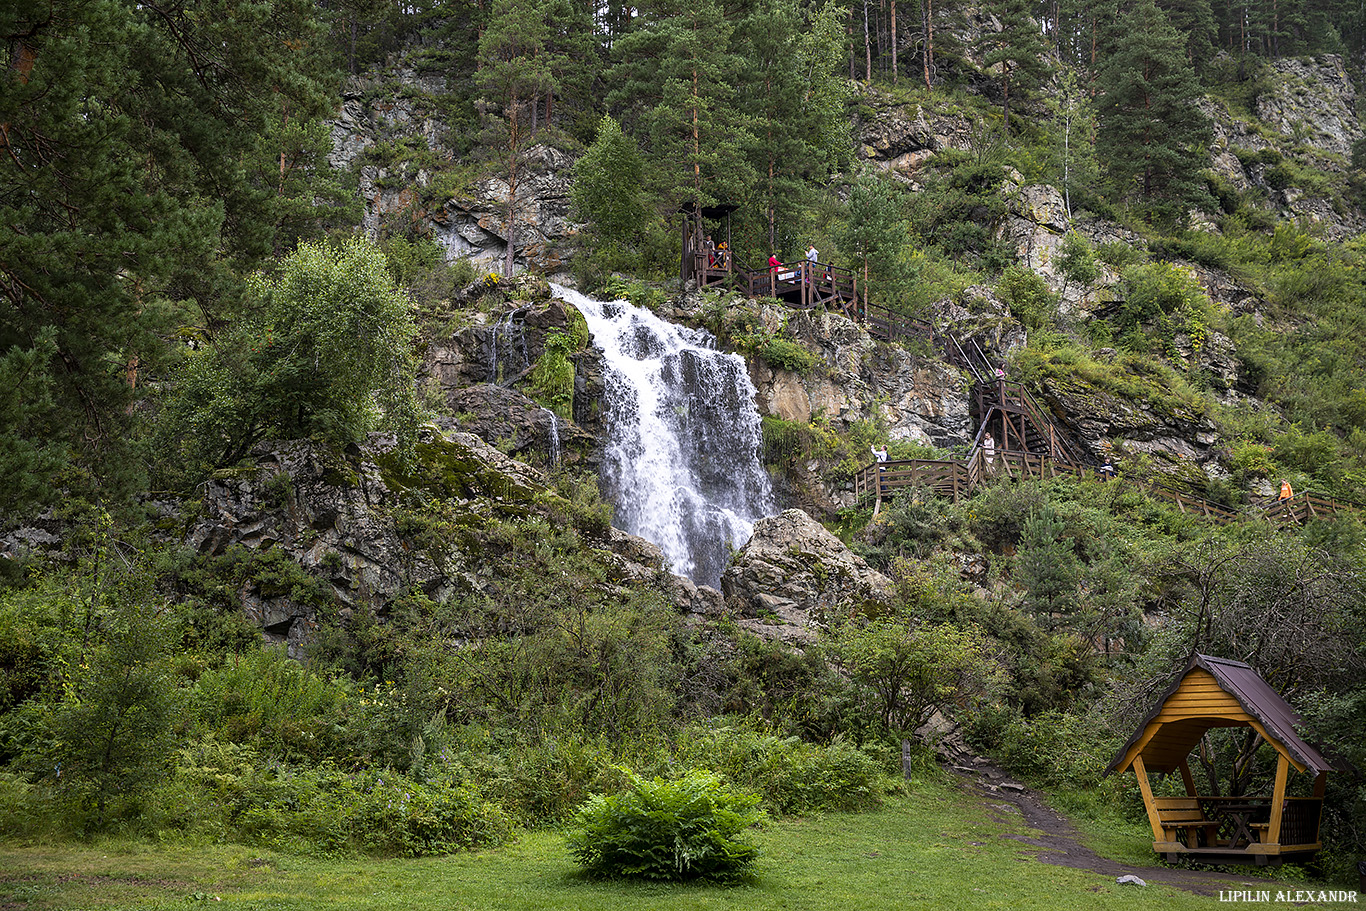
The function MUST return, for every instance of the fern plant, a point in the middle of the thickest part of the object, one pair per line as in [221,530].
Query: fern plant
[690,828]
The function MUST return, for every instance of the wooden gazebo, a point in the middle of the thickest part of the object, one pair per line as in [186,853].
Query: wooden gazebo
[1212,693]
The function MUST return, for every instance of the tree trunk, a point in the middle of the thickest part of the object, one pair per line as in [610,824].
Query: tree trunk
[867,47]
[514,139]
[929,40]
[894,42]
[1005,94]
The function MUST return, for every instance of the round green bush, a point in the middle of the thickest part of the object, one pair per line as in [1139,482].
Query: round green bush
[690,828]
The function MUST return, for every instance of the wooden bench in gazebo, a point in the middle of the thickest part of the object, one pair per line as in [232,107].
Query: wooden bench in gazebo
[1214,693]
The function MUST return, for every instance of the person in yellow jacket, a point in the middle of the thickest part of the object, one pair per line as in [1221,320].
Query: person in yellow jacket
[1287,493]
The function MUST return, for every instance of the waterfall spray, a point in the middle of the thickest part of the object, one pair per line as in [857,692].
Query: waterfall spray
[681,461]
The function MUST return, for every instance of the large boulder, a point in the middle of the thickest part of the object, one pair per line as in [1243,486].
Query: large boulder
[793,575]
[1156,424]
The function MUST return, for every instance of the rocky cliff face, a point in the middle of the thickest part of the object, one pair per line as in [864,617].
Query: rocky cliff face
[390,131]
[354,522]
[914,397]
[1308,113]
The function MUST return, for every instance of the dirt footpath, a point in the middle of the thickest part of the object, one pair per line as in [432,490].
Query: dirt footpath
[1059,842]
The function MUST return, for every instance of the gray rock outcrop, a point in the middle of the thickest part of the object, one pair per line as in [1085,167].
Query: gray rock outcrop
[914,397]
[793,575]
[1307,114]
[1312,100]
[381,115]
[340,518]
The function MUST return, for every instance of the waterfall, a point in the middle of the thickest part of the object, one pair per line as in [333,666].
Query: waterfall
[681,461]
[514,338]
[552,437]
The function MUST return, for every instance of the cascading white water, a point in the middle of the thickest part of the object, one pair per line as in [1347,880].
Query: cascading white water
[681,462]
[552,437]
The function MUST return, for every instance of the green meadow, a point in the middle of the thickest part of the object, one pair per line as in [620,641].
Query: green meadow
[934,848]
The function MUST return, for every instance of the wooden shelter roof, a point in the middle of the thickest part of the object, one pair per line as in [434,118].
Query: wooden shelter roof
[1217,692]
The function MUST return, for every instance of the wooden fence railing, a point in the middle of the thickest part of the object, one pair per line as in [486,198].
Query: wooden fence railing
[804,285]
[953,478]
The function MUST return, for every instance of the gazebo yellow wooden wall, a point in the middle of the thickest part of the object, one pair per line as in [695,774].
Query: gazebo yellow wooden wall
[1216,692]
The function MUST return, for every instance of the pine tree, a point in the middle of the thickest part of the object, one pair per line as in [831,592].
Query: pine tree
[1018,49]
[673,79]
[515,71]
[1152,136]
[1195,20]
[125,130]
[1048,568]
[790,85]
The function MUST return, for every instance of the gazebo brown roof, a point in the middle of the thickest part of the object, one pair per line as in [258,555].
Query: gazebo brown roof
[1169,732]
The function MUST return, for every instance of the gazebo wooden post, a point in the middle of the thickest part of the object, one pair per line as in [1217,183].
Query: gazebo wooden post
[1186,778]
[1273,835]
[1146,790]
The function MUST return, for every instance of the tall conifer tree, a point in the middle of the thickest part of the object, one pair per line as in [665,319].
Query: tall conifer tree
[673,78]
[516,70]
[1019,50]
[792,88]
[126,131]
[1152,137]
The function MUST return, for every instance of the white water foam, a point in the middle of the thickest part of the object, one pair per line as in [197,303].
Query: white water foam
[681,463]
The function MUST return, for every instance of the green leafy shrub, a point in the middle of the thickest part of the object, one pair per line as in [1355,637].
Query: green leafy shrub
[539,781]
[1059,749]
[1078,261]
[786,355]
[787,442]
[792,776]
[1119,254]
[270,702]
[687,829]
[225,790]
[327,352]
[1028,297]
[552,380]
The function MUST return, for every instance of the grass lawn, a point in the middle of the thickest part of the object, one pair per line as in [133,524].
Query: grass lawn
[935,848]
